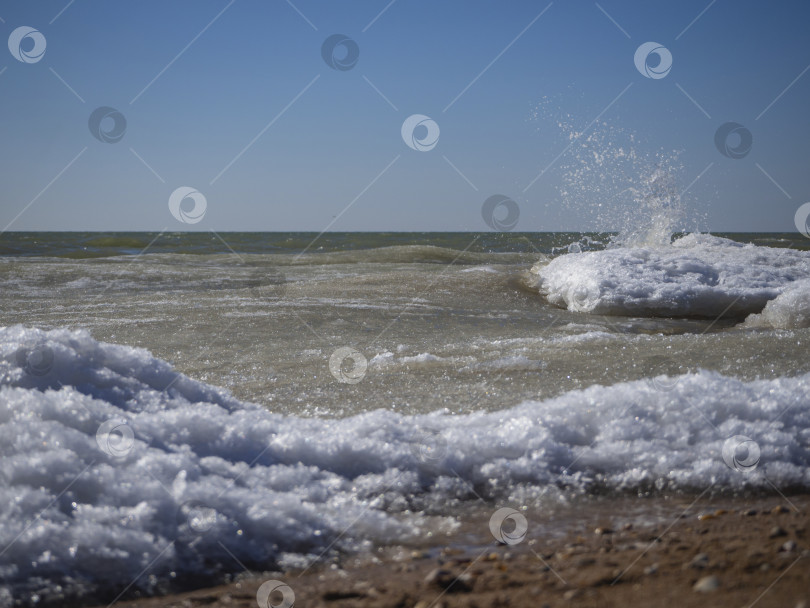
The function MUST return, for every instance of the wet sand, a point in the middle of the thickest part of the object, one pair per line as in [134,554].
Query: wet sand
[622,552]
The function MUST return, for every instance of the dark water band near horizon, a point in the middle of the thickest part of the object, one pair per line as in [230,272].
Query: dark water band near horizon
[81,245]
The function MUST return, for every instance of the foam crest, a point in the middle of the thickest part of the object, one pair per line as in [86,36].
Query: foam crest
[698,275]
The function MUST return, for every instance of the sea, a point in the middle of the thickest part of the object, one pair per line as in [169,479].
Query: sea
[175,407]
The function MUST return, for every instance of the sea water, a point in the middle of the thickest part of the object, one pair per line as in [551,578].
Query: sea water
[168,403]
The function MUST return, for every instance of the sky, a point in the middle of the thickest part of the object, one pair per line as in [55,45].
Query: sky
[245,107]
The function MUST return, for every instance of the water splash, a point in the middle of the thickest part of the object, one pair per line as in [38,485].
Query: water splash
[658,211]
[611,182]
[623,189]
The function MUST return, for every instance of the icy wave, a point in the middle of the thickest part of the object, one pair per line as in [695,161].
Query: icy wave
[113,464]
[698,275]
[789,310]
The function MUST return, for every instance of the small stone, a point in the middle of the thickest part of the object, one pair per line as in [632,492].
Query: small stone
[789,546]
[700,561]
[707,584]
[492,557]
[779,509]
[571,594]
[603,530]
[434,575]
[449,581]
[776,531]
[651,569]
[749,512]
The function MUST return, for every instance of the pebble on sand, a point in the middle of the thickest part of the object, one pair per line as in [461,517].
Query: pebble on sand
[707,584]
[448,581]
[700,561]
[777,531]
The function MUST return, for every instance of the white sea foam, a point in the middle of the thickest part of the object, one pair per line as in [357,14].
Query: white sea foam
[588,336]
[512,363]
[200,478]
[488,268]
[422,360]
[698,275]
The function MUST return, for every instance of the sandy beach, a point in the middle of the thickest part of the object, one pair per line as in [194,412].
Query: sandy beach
[717,552]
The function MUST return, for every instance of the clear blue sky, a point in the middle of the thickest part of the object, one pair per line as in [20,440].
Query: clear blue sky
[340,134]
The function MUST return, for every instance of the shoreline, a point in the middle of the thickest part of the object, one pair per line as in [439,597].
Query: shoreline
[612,552]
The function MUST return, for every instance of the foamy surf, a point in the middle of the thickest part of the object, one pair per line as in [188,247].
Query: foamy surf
[698,275]
[114,463]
